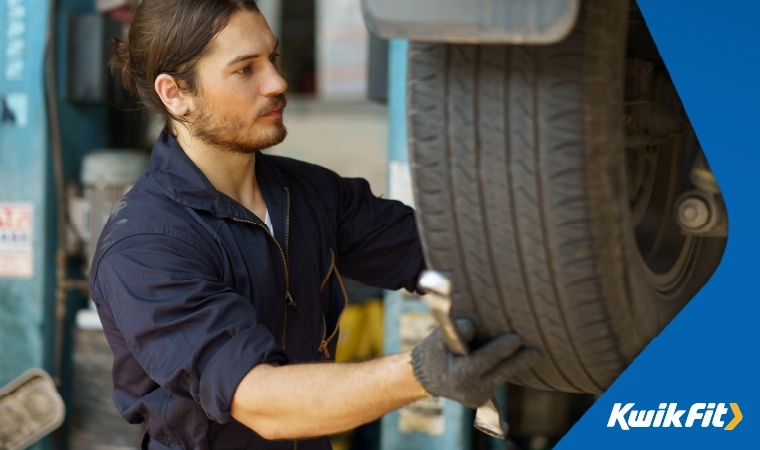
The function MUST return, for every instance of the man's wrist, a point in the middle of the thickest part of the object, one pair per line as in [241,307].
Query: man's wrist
[422,391]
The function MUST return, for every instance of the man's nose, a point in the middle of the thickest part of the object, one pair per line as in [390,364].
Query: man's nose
[274,84]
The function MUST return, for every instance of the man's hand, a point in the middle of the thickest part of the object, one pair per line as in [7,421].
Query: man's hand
[472,379]
[307,400]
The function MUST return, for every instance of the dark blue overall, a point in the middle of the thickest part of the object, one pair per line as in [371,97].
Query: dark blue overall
[194,291]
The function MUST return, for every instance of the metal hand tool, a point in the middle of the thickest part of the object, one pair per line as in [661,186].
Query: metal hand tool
[30,409]
[438,288]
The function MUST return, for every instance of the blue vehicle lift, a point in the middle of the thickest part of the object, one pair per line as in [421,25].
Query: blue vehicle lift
[38,302]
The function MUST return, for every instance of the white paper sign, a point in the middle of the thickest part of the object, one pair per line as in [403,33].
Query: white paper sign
[401,183]
[16,243]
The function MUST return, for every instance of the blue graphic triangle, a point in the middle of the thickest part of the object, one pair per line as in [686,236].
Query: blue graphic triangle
[709,352]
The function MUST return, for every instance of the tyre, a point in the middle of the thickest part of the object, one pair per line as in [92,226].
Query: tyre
[531,196]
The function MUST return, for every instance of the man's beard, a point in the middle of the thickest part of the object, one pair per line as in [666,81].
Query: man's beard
[233,134]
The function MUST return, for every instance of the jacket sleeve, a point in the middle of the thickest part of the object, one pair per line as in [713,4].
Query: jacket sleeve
[191,334]
[377,238]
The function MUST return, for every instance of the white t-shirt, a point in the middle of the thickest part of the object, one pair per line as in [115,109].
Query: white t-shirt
[268,222]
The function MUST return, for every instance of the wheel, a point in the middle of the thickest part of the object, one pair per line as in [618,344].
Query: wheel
[538,197]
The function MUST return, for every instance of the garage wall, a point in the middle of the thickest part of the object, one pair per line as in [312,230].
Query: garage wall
[348,137]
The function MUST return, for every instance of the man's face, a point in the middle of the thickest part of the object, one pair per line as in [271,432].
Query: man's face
[239,104]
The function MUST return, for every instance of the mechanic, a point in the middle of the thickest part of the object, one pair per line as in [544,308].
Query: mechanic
[218,276]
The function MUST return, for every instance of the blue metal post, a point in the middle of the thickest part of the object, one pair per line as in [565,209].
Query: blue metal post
[397,143]
[449,429]
[26,246]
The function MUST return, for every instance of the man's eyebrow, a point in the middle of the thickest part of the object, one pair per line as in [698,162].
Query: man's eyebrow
[237,59]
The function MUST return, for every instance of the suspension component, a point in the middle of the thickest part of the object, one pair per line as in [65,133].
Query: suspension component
[702,211]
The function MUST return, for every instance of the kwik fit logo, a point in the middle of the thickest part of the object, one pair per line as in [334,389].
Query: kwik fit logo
[669,415]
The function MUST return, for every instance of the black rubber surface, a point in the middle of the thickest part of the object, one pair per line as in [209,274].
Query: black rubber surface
[518,168]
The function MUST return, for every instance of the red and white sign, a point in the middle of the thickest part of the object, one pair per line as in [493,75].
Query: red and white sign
[16,244]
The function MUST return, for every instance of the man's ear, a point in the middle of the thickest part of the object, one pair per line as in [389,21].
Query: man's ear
[171,94]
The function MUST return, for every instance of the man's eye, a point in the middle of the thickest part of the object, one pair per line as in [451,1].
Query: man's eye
[244,70]
[274,58]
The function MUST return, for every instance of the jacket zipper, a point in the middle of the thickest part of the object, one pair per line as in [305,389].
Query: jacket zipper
[326,340]
[287,257]
[285,262]
[284,255]
[288,297]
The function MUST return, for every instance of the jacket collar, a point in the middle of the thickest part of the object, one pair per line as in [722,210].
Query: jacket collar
[183,182]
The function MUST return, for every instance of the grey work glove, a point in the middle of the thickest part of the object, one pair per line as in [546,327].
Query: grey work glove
[470,380]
